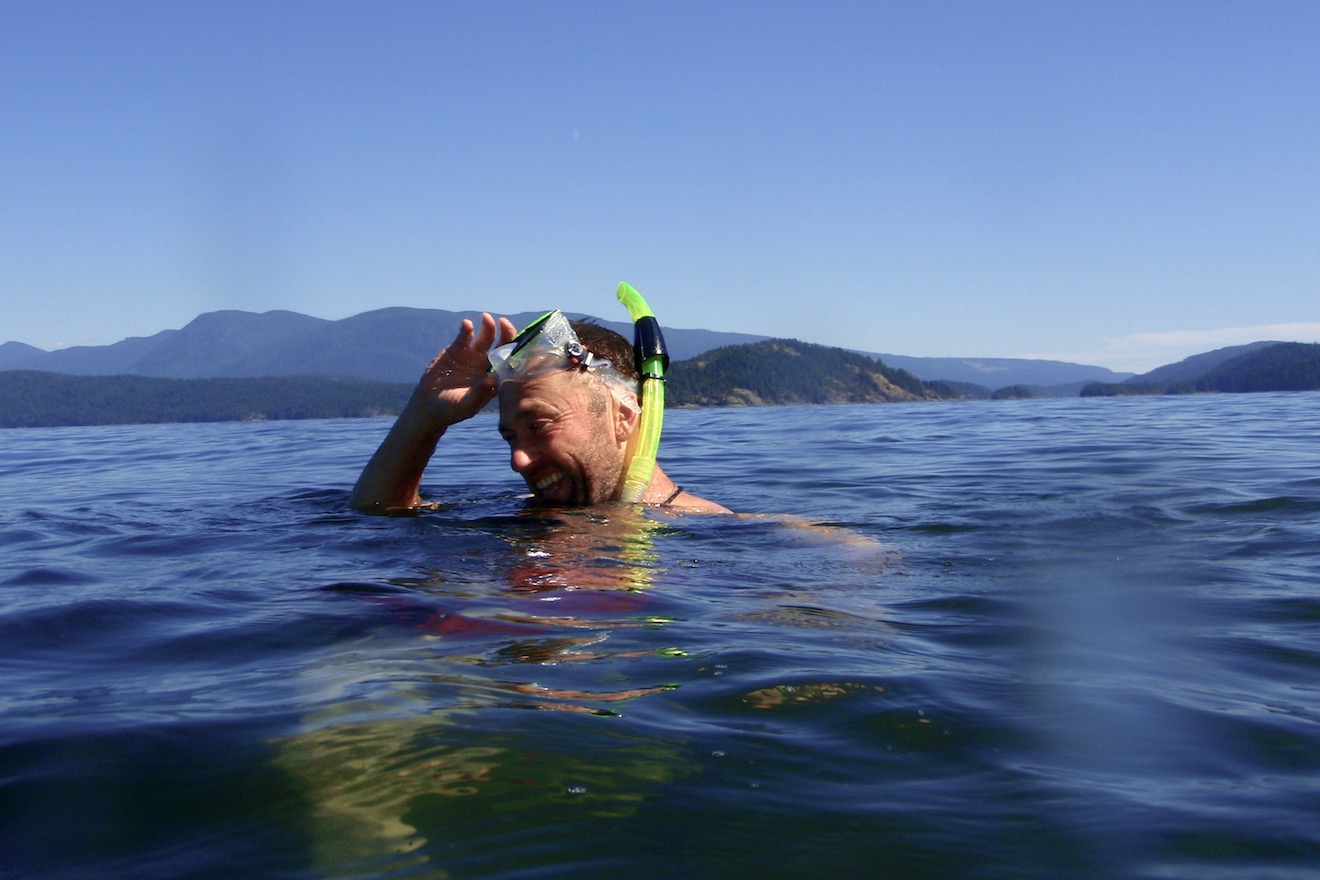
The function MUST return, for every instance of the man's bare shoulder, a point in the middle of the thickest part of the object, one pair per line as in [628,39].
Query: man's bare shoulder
[686,502]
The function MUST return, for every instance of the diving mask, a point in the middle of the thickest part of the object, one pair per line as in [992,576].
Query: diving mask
[549,343]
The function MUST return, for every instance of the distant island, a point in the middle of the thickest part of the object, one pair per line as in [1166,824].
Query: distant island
[229,366]
[1261,366]
[786,371]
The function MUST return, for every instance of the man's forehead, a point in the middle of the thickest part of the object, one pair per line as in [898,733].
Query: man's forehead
[550,389]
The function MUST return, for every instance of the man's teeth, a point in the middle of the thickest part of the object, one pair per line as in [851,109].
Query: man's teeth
[547,481]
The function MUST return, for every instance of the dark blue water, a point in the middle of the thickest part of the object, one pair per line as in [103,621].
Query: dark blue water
[1024,639]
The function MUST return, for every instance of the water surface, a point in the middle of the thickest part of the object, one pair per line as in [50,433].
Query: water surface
[1014,639]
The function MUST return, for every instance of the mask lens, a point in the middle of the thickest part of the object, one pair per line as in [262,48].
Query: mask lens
[549,343]
[544,344]
[529,333]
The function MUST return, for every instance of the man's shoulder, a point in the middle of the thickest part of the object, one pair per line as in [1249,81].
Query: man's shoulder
[686,502]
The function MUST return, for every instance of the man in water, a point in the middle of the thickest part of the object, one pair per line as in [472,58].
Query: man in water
[569,410]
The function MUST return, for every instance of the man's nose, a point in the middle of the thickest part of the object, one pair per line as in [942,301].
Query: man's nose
[519,459]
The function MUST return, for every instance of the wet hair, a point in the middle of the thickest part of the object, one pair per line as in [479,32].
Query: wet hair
[605,343]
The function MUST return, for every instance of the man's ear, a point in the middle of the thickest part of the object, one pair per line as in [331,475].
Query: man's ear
[625,422]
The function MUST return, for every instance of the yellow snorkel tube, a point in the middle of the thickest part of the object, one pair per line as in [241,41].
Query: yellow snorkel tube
[652,362]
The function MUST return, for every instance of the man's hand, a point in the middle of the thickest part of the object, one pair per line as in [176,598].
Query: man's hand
[454,387]
[458,382]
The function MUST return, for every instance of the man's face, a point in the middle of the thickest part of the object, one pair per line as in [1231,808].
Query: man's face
[567,437]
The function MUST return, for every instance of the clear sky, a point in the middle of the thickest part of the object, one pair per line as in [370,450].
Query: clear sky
[1112,183]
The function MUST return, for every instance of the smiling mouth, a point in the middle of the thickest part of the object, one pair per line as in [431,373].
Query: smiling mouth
[547,482]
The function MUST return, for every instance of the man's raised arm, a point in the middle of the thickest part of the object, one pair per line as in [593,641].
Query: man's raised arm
[453,388]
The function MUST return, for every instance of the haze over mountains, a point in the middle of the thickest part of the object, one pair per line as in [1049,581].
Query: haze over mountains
[394,344]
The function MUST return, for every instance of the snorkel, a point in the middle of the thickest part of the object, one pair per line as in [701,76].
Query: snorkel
[652,361]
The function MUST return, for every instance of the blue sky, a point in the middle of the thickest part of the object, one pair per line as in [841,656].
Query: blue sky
[1121,184]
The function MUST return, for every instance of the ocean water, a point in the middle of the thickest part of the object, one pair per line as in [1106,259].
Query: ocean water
[1058,638]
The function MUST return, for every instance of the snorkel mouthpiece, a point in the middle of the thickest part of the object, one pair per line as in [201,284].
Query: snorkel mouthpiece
[652,362]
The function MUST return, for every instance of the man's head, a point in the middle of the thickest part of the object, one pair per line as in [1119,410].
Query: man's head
[568,420]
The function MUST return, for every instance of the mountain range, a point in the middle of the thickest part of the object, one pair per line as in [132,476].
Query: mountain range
[281,365]
[394,344]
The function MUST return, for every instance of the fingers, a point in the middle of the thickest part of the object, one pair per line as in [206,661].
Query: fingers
[486,337]
[469,338]
[491,330]
[464,337]
[458,382]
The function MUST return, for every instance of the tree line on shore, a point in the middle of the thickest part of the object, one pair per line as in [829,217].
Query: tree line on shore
[762,373]
[773,372]
[30,399]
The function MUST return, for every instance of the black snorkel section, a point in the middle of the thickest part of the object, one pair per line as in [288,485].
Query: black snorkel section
[649,344]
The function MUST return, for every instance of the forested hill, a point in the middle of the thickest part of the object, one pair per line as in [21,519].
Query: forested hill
[785,371]
[1282,366]
[775,372]
[779,371]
